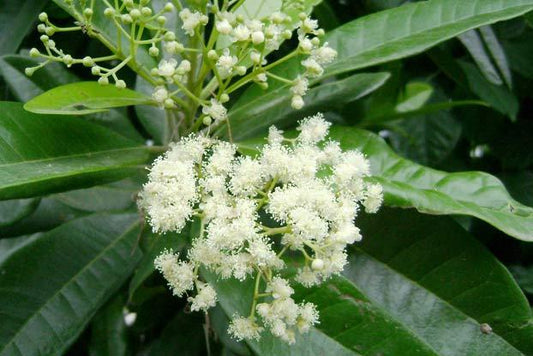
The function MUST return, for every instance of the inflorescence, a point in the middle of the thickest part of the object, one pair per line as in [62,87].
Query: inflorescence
[296,201]
[218,51]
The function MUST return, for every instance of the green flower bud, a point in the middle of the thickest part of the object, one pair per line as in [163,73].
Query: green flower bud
[135,14]
[41,27]
[168,7]
[50,31]
[120,84]
[168,103]
[88,12]
[103,81]
[34,52]
[43,16]
[146,11]
[109,12]
[153,51]
[88,61]
[207,120]
[161,20]
[224,98]
[95,70]
[29,71]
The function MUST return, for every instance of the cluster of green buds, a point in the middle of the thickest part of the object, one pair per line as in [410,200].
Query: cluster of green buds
[202,54]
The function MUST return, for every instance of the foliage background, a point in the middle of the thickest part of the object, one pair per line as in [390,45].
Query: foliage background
[75,256]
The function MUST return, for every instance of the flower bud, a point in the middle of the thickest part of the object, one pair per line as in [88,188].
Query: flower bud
[212,55]
[88,61]
[168,7]
[144,2]
[169,103]
[207,120]
[224,98]
[50,31]
[43,16]
[153,51]
[95,70]
[103,81]
[109,12]
[120,84]
[258,37]
[255,57]
[317,264]
[88,12]
[161,20]
[41,27]
[146,11]
[169,36]
[297,102]
[29,71]
[34,52]
[135,14]
[44,38]
[67,59]
[240,70]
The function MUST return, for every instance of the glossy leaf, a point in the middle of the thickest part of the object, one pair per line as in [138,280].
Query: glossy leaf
[108,330]
[498,96]
[84,98]
[41,154]
[416,94]
[408,184]
[10,246]
[16,19]
[524,277]
[498,54]
[255,116]
[410,29]
[25,88]
[386,304]
[53,286]
[183,335]
[12,211]
[475,46]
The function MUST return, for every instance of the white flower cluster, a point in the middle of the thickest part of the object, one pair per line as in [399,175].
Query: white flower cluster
[298,194]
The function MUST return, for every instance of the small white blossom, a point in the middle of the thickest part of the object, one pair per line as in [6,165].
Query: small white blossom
[204,299]
[244,329]
[226,64]
[216,110]
[191,20]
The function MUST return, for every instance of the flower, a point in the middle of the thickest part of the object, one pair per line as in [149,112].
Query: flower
[302,192]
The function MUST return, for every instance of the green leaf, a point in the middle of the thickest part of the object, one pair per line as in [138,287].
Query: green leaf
[386,304]
[12,211]
[473,43]
[520,185]
[257,9]
[524,277]
[497,53]
[498,96]
[416,94]
[426,139]
[9,246]
[452,271]
[25,88]
[16,19]
[183,335]
[108,330]
[413,28]
[235,298]
[41,154]
[407,184]
[53,286]
[84,98]
[255,116]
[101,198]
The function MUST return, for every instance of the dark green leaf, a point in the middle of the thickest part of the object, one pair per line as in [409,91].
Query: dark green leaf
[408,184]
[524,277]
[184,335]
[499,97]
[16,19]
[84,98]
[41,154]
[410,29]
[153,118]
[9,246]
[12,211]
[498,54]
[25,88]
[108,330]
[472,41]
[255,116]
[53,286]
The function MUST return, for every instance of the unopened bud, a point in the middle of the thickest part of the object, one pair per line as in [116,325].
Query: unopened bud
[87,61]
[43,16]
[168,7]
[103,81]
[135,14]
[153,51]
[224,98]
[120,84]
[317,264]
[109,12]
[207,120]
[88,12]
[34,52]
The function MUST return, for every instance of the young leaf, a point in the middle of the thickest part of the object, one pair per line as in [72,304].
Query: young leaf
[41,154]
[84,98]
[53,286]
